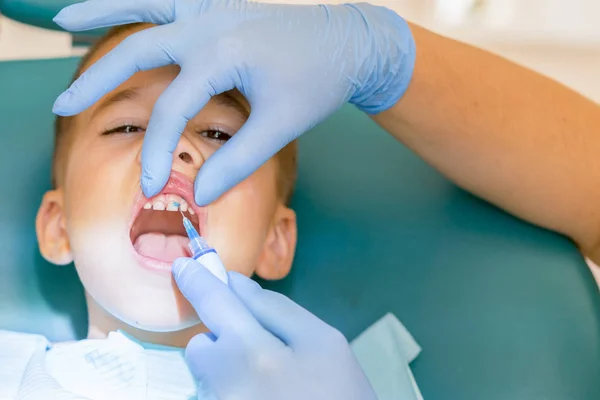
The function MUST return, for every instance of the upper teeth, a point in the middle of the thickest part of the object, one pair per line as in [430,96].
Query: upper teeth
[169,202]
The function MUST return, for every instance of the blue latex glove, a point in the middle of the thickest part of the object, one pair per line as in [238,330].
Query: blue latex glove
[262,345]
[296,65]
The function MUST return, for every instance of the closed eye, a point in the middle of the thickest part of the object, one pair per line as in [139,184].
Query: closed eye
[124,129]
[215,134]
[212,134]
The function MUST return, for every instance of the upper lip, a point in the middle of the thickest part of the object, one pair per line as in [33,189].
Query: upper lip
[177,184]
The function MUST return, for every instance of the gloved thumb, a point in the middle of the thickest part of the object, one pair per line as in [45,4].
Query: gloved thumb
[261,137]
[216,305]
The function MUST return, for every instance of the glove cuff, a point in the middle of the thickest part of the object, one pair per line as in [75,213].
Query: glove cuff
[392,62]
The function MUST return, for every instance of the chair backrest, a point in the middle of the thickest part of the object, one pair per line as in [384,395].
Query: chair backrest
[39,13]
[34,296]
[502,309]
[34,12]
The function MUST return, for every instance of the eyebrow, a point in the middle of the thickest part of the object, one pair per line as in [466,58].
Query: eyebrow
[228,100]
[134,93]
[123,95]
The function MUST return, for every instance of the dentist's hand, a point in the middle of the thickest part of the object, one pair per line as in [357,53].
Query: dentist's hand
[263,346]
[296,65]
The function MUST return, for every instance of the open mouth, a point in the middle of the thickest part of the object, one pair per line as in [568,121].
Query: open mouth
[157,232]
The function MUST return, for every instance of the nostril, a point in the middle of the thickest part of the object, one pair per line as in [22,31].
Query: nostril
[186,157]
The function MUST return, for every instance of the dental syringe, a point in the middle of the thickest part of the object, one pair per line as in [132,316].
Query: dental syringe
[203,253]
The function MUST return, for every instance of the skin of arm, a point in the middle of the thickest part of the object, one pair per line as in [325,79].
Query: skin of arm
[505,133]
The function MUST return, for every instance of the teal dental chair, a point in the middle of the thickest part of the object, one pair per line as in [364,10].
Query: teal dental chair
[41,12]
[34,12]
[502,309]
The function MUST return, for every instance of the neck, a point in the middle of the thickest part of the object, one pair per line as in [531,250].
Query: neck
[101,323]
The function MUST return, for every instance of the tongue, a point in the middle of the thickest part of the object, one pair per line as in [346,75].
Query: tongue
[162,247]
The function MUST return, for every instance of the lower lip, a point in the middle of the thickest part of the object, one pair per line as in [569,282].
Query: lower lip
[153,264]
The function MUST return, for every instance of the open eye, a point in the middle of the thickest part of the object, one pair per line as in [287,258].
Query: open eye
[215,134]
[124,129]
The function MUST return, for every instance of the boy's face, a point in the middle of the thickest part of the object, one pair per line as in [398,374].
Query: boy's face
[122,243]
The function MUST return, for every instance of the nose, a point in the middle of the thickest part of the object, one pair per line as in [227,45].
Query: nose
[187,157]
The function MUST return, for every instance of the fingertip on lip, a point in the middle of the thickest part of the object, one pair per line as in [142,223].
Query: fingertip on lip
[148,186]
[202,198]
[179,265]
[199,201]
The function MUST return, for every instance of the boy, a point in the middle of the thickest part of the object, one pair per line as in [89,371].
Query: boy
[123,245]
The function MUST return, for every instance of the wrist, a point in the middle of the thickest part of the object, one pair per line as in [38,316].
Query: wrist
[386,71]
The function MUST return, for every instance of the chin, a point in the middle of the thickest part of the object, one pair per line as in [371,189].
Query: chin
[153,311]
[161,325]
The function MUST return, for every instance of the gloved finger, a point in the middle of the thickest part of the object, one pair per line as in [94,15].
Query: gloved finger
[138,52]
[256,142]
[215,364]
[180,102]
[291,323]
[197,352]
[94,14]
[200,342]
[217,306]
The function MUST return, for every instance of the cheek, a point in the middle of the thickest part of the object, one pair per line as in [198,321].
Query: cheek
[100,185]
[98,249]
[98,210]
[239,221]
[110,275]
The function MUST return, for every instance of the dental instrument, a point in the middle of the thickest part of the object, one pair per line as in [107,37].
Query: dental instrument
[203,252]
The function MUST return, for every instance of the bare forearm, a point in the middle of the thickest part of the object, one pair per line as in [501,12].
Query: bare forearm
[505,133]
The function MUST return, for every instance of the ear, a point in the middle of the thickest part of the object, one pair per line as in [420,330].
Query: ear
[277,255]
[50,226]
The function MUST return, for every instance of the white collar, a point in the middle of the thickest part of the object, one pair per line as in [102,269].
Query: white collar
[120,367]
